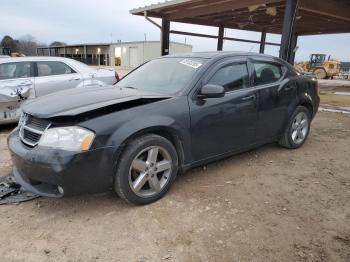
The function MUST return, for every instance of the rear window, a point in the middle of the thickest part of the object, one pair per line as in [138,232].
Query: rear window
[49,68]
[15,70]
[266,73]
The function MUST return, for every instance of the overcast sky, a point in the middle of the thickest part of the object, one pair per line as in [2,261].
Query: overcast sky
[83,21]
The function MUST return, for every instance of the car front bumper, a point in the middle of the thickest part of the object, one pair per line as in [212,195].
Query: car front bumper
[55,173]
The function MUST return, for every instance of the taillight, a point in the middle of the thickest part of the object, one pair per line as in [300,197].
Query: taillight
[116,76]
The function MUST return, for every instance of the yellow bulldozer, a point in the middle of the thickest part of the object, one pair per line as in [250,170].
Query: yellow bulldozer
[320,67]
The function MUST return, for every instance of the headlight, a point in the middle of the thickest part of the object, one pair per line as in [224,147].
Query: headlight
[70,138]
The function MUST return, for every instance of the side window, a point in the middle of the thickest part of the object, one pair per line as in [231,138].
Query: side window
[266,73]
[15,70]
[231,77]
[50,68]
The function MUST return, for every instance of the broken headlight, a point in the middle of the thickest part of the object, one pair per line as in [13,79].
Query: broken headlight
[71,138]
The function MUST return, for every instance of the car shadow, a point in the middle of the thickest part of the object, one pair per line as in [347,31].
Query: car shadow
[6,128]
[109,201]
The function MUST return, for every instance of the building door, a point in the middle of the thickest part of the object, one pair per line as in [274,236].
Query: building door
[133,60]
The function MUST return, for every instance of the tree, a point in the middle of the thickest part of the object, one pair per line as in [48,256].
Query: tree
[58,43]
[8,42]
[27,45]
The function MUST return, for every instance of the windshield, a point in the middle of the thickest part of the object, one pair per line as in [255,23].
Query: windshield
[166,75]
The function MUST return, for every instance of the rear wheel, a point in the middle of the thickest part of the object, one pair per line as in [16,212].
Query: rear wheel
[298,128]
[320,73]
[146,169]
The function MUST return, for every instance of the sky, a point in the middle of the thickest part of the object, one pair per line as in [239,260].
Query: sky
[89,21]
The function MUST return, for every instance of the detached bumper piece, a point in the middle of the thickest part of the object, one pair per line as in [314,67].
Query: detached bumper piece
[11,192]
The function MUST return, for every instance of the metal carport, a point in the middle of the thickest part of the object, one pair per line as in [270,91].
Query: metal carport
[290,18]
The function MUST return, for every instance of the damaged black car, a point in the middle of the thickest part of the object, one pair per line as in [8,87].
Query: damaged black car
[166,116]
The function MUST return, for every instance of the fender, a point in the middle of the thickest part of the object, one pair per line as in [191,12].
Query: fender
[115,129]
[156,124]
[303,98]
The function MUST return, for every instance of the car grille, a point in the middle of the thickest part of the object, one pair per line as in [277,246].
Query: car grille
[31,129]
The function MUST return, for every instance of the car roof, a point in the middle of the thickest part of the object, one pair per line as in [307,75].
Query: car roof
[35,58]
[219,54]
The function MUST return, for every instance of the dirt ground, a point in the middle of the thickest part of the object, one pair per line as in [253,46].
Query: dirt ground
[270,204]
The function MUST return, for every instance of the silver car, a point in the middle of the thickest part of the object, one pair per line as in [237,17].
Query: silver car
[23,78]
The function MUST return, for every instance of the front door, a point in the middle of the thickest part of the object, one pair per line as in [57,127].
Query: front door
[225,124]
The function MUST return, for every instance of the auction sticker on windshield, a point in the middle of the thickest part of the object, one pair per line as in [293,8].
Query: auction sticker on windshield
[191,63]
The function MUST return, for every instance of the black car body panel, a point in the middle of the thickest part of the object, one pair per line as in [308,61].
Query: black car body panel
[77,101]
[202,130]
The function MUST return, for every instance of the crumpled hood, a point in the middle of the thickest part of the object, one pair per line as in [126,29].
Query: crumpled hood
[80,100]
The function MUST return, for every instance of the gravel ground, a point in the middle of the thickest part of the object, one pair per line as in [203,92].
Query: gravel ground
[269,204]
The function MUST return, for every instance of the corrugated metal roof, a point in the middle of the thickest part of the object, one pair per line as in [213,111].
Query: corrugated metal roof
[159,5]
[109,44]
[313,17]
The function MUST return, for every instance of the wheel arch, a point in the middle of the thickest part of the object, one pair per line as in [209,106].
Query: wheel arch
[319,67]
[164,131]
[306,100]
[303,100]
[309,106]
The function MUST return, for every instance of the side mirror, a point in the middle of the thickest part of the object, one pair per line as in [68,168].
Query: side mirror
[211,91]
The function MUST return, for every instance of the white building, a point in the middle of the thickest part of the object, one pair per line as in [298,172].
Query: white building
[126,54]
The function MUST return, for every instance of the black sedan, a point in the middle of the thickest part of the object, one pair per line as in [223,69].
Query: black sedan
[168,115]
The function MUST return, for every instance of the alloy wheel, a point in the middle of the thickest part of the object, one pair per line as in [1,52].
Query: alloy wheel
[300,127]
[150,171]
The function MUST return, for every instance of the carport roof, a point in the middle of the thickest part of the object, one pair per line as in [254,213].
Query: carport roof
[313,16]
[105,44]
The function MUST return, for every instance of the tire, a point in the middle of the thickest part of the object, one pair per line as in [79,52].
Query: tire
[290,138]
[141,165]
[320,73]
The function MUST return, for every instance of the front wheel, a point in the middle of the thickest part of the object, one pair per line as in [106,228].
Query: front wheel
[146,169]
[320,73]
[298,128]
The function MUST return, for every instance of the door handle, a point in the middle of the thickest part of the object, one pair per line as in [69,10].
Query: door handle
[25,84]
[74,78]
[246,98]
[289,88]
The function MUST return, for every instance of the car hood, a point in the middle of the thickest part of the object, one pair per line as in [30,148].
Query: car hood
[81,100]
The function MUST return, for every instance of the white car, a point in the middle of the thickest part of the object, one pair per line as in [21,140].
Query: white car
[23,78]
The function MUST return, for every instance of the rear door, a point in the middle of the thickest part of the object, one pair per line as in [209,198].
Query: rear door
[276,92]
[225,124]
[54,76]
[15,78]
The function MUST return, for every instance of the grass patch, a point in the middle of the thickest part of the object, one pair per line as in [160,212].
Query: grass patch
[335,100]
